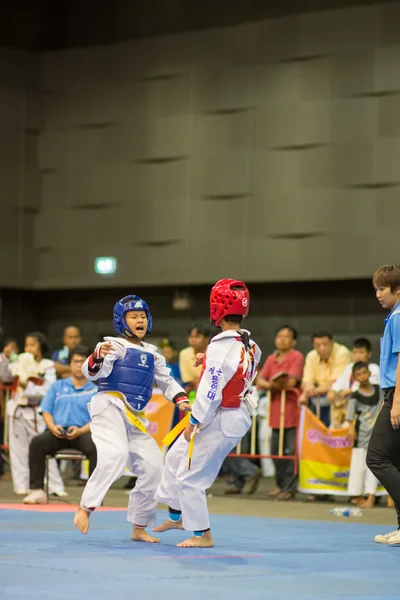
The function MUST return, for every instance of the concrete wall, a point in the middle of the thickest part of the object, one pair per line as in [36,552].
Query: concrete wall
[267,151]
[20,178]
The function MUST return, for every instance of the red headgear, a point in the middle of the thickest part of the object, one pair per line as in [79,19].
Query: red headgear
[228,297]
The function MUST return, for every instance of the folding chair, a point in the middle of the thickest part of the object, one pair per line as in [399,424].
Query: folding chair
[67,454]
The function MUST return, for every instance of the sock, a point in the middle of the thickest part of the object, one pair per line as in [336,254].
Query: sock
[201,533]
[175,515]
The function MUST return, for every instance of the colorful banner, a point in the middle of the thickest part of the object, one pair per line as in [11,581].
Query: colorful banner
[324,457]
[159,414]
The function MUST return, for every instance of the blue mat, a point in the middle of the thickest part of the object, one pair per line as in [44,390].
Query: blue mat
[43,556]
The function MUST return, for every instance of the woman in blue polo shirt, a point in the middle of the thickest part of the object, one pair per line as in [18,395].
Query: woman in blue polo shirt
[383,456]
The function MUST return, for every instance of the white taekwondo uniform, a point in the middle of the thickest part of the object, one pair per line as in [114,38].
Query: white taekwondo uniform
[26,422]
[126,378]
[224,418]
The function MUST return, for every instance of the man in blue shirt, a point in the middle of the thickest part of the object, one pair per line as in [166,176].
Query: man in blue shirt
[66,415]
[383,456]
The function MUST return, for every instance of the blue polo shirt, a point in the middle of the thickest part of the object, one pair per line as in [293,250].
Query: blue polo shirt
[68,404]
[390,347]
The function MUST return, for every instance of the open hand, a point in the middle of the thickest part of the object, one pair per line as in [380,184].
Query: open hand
[395,414]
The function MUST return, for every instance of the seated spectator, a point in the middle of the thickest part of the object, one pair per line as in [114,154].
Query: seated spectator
[283,370]
[322,367]
[67,419]
[363,407]
[71,338]
[344,386]
[199,338]
[35,375]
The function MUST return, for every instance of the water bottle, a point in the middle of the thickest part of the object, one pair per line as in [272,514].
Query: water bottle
[346,511]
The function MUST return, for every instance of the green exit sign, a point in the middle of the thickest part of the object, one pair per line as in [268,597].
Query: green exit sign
[105,265]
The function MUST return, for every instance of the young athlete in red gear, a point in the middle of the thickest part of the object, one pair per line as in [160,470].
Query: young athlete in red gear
[221,415]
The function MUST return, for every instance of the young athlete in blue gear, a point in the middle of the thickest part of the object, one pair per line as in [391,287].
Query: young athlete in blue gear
[125,368]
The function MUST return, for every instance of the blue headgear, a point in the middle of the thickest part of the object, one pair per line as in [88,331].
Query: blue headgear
[122,307]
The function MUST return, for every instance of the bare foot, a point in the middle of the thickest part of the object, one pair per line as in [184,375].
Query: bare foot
[356,500]
[140,535]
[205,541]
[274,493]
[81,520]
[368,503]
[168,524]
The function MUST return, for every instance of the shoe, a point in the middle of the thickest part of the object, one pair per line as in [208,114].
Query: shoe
[394,540]
[252,484]
[384,539]
[35,497]
[63,494]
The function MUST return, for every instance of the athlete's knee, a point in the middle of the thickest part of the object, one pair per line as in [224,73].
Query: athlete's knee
[157,464]
[116,458]
[154,468]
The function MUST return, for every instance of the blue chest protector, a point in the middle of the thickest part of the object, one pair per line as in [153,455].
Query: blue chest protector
[133,376]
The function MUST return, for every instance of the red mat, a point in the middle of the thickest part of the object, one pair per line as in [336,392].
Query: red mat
[54,507]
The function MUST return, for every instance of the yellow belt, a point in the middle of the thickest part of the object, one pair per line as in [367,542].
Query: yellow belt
[132,417]
[173,434]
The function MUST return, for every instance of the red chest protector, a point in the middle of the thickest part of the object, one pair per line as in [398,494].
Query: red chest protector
[232,393]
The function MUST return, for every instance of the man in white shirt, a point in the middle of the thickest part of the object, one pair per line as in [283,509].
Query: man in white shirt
[344,385]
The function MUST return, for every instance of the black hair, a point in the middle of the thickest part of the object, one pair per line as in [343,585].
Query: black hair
[237,319]
[363,343]
[360,365]
[42,339]
[202,330]
[9,340]
[322,333]
[290,328]
[80,350]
